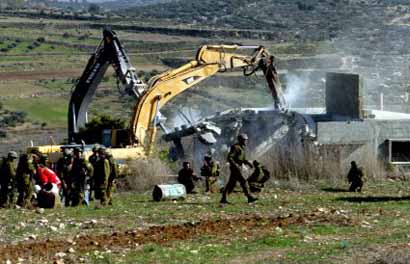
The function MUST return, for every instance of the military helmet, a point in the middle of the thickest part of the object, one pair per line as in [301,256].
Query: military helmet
[208,157]
[243,136]
[78,149]
[95,147]
[67,152]
[12,154]
[102,150]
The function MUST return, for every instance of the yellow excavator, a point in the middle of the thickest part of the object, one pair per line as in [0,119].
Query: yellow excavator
[146,117]
[210,60]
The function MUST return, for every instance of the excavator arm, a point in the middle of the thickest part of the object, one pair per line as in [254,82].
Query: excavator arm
[209,61]
[109,52]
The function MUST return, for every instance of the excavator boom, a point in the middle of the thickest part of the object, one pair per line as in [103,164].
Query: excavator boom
[209,61]
[109,52]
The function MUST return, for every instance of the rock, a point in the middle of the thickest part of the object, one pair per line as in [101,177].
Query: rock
[53,228]
[58,261]
[71,250]
[40,210]
[60,254]
[43,221]
[278,230]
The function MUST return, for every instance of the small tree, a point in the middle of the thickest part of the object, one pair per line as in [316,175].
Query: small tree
[93,8]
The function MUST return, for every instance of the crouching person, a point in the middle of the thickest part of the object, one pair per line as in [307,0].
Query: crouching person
[258,178]
[210,170]
[48,196]
[186,176]
[355,178]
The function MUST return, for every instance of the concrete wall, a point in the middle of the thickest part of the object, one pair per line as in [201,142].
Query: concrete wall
[343,95]
[363,141]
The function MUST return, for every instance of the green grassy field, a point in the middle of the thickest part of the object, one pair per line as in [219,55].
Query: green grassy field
[39,109]
[317,224]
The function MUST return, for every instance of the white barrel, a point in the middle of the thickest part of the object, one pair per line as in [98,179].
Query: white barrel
[168,192]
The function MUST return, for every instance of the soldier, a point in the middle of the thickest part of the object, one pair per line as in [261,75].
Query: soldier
[63,167]
[8,180]
[258,178]
[210,170]
[186,176]
[114,171]
[80,169]
[102,173]
[236,159]
[24,178]
[355,177]
[93,161]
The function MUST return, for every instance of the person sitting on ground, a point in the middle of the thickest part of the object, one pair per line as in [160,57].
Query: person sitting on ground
[186,176]
[48,196]
[258,178]
[355,177]
[210,170]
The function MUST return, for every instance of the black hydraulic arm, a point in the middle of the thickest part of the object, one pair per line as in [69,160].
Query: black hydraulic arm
[109,52]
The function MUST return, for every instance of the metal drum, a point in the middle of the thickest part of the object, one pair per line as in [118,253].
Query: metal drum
[168,192]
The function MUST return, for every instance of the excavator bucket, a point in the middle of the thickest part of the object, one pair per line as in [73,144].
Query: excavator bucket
[272,78]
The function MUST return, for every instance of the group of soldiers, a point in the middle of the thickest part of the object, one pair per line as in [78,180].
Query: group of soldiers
[236,159]
[77,179]
[84,180]
[211,172]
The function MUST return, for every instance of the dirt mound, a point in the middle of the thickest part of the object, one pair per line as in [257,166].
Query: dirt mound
[247,224]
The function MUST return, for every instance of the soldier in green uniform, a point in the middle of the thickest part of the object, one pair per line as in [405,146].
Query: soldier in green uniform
[8,180]
[80,169]
[210,170]
[114,171]
[24,178]
[258,178]
[236,159]
[93,161]
[102,173]
[63,168]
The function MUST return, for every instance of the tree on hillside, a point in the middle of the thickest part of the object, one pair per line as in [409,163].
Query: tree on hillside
[93,8]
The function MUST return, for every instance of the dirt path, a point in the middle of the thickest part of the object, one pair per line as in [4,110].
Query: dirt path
[247,224]
[39,75]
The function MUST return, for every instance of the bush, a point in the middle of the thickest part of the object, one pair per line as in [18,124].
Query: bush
[41,39]
[93,130]
[144,174]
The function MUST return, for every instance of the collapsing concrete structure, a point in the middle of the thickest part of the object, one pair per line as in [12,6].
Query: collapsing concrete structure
[341,132]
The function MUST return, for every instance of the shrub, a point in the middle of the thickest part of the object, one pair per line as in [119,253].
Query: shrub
[144,174]
[41,39]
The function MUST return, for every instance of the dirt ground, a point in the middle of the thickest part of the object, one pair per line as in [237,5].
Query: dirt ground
[251,225]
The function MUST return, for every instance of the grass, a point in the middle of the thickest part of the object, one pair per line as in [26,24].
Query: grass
[373,224]
[52,110]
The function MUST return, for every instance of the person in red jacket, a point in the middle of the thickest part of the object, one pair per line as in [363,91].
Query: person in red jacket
[46,175]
